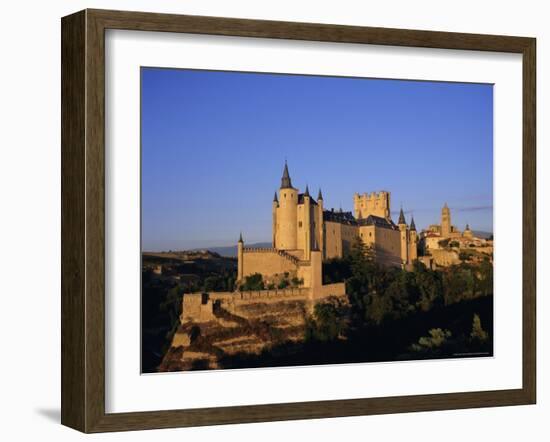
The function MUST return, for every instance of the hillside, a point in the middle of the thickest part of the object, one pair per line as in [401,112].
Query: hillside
[231,251]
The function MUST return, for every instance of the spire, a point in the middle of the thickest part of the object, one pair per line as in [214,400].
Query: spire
[275,199]
[467,226]
[413,227]
[306,193]
[445,206]
[285,180]
[401,217]
[241,237]
[320,195]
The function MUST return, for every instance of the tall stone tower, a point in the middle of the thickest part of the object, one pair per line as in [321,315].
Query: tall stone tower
[375,203]
[307,230]
[320,241]
[413,242]
[402,224]
[445,221]
[286,230]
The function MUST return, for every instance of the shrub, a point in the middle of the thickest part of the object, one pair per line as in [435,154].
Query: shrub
[283,284]
[478,334]
[253,282]
[435,340]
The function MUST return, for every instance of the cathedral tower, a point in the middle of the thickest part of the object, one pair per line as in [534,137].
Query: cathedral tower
[445,221]
[286,223]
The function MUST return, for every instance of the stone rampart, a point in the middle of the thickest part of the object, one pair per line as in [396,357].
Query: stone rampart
[268,262]
[199,307]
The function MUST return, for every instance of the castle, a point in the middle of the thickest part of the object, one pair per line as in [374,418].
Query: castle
[305,235]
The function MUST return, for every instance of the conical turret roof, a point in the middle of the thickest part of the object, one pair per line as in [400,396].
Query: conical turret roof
[306,193]
[319,195]
[275,199]
[413,227]
[401,217]
[286,183]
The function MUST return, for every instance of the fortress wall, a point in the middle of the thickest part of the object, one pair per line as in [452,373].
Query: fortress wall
[367,234]
[337,289]
[333,240]
[266,262]
[388,246]
[198,307]
[339,239]
[349,234]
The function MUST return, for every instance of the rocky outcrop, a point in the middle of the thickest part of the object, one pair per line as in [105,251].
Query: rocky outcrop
[249,329]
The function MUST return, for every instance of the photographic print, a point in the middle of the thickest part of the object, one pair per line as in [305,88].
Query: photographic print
[295,220]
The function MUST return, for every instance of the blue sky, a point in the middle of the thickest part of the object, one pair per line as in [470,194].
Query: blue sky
[214,146]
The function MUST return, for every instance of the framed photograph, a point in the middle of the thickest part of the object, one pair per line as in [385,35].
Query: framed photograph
[269,220]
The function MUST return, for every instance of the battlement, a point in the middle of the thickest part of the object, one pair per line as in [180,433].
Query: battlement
[266,250]
[374,203]
[382,194]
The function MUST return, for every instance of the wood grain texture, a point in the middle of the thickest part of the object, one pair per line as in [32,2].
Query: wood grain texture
[73,253]
[83,220]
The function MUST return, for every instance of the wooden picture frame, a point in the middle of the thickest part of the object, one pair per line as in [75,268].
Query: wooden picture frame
[83,220]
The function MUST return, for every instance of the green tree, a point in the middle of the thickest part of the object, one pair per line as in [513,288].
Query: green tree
[328,321]
[253,282]
[486,277]
[436,339]
[478,334]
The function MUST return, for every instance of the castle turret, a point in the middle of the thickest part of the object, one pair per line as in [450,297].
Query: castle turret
[240,260]
[402,224]
[286,214]
[445,221]
[274,219]
[307,225]
[319,225]
[413,242]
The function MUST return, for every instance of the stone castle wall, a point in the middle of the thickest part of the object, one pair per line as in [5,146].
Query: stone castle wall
[338,239]
[268,262]
[199,307]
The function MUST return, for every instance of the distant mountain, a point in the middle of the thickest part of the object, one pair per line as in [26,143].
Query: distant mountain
[481,234]
[231,251]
